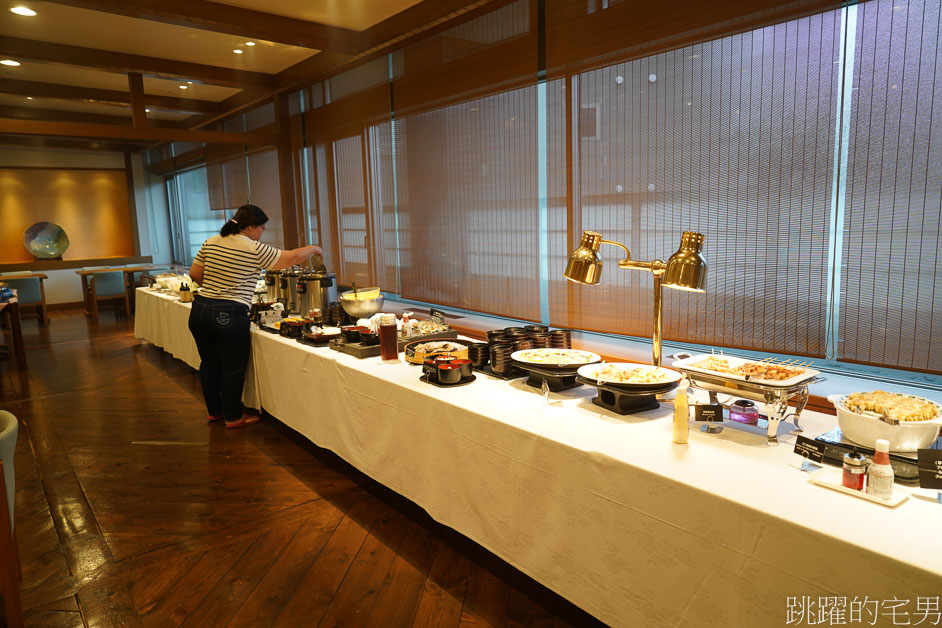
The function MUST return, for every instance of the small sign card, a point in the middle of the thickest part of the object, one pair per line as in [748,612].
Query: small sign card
[709,413]
[930,468]
[810,449]
[437,316]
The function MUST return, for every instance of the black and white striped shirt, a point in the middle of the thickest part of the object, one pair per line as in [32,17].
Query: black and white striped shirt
[231,265]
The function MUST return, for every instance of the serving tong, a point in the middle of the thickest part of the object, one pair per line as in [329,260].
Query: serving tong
[882,415]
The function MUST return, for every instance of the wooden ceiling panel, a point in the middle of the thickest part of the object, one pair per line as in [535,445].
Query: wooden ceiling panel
[357,15]
[99,79]
[121,112]
[116,33]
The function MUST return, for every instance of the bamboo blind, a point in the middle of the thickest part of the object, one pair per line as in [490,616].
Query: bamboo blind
[891,288]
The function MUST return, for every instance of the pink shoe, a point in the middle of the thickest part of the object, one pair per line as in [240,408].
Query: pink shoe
[251,418]
[213,417]
[237,423]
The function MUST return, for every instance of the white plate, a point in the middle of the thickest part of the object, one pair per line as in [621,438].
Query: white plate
[687,364]
[579,357]
[589,372]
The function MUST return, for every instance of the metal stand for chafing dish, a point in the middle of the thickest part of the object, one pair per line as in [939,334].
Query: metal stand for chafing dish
[775,398]
[622,400]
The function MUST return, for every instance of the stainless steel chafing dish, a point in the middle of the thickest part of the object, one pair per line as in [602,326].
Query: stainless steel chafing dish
[776,395]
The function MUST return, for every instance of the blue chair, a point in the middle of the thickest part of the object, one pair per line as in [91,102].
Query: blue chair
[30,291]
[10,570]
[107,286]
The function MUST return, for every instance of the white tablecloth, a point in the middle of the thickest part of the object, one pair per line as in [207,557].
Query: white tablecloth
[604,509]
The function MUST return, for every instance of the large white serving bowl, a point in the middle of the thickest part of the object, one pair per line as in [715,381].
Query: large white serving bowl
[865,429]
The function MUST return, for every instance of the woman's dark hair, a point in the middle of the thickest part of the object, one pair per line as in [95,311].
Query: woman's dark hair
[245,216]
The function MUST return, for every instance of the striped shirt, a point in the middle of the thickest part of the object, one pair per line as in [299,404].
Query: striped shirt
[231,265]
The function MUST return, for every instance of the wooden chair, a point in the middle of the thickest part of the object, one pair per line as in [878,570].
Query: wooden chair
[11,571]
[106,286]
[30,291]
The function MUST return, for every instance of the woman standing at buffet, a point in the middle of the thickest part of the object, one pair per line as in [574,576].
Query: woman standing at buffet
[227,268]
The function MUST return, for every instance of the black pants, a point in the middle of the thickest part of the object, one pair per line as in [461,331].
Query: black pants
[221,330]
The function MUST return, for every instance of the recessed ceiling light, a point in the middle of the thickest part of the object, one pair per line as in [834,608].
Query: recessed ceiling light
[10,62]
[23,11]
[189,82]
[250,43]
[29,98]
[237,51]
[182,86]
[147,111]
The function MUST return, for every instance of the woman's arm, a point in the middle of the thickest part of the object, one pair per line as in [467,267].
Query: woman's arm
[196,273]
[287,259]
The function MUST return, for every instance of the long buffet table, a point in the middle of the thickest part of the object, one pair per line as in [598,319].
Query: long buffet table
[601,508]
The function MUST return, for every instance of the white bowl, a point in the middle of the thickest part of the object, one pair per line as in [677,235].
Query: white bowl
[907,436]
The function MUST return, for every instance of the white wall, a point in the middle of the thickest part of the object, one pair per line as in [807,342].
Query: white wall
[153,221]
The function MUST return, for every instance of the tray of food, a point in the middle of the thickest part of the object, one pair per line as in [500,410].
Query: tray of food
[629,376]
[765,372]
[321,335]
[908,422]
[417,351]
[554,359]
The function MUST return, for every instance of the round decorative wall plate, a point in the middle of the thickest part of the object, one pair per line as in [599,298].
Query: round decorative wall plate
[45,240]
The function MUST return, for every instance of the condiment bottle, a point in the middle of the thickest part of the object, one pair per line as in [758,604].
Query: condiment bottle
[681,413]
[880,482]
[855,471]
[388,340]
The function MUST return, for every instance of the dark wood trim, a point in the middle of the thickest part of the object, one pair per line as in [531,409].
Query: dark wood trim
[108,96]
[132,205]
[66,305]
[2,167]
[65,264]
[108,131]
[60,115]
[136,93]
[39,141]
[48,52]
[232,20]
[289,207]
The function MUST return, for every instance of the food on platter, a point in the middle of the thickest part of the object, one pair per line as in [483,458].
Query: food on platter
[760,370]
[417,351]
[555,357]
[423,328]
[632,374]
[361,295]
[438,347]
[892,405]
[325,331]
[292,319]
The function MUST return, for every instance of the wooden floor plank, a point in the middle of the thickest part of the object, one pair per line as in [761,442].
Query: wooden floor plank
[227,597]
[314,594]
[284,577]
[445,587]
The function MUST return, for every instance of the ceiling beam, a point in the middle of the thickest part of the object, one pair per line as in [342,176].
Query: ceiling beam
[46,52]
[136,92]
[134,134]
[60,115]
[107,96]
[46,142]
[232,20]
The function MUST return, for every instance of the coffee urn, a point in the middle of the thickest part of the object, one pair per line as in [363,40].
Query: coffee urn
[315,291]
[289,278]
[272,285]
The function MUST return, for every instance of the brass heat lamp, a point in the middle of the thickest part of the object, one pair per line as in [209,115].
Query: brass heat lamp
[684,270]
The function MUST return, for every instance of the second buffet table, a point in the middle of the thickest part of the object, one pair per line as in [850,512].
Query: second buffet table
[603,509]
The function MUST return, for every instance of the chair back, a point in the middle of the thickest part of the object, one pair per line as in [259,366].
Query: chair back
[27,289]
[8,431]
[108,284]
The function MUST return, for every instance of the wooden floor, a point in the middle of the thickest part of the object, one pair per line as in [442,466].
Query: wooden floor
[132,511]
